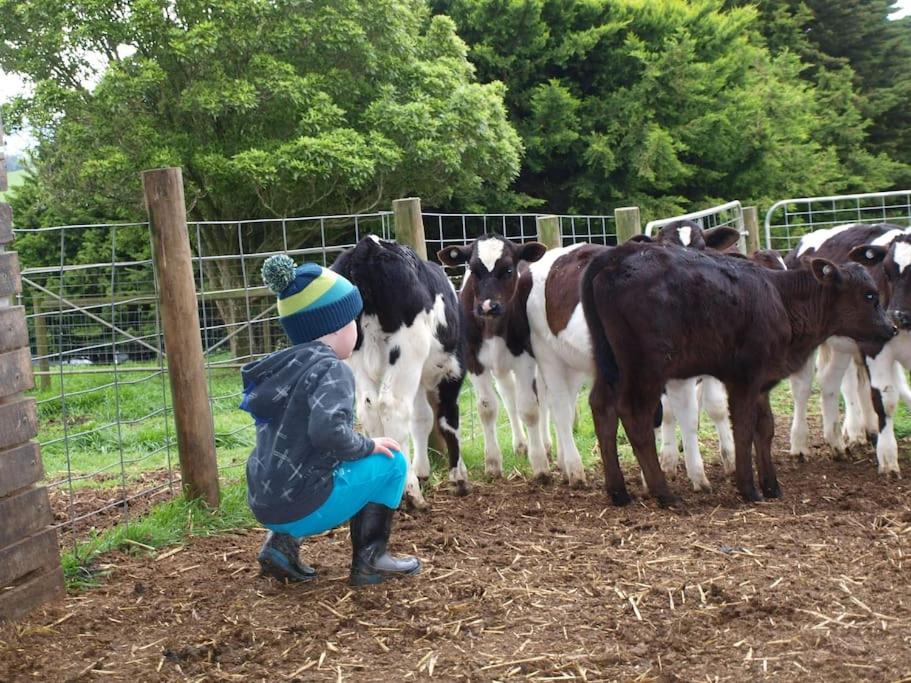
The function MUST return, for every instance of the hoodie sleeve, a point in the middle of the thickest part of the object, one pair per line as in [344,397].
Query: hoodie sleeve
[331,416]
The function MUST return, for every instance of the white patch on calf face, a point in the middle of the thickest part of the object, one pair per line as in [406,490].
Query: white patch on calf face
[374,238]
[490,251]
[816,239]
[902,255]
[886,238]
[685,234]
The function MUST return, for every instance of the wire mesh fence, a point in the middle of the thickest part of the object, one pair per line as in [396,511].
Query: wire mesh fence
[789,219]
[103,391]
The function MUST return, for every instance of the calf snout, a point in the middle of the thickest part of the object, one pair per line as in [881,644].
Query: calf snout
[490,308]
[901,319]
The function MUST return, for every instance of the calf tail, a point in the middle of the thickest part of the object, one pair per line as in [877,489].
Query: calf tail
[605,360]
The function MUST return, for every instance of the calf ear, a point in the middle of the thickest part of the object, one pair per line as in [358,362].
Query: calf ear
[868,254]
[825,271]
[720,238]
[641,238]
[531,251]
[454,256]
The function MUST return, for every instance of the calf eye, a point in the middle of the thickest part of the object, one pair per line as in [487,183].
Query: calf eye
[871,297]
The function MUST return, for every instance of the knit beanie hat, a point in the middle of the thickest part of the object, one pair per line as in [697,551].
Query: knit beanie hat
[312,301]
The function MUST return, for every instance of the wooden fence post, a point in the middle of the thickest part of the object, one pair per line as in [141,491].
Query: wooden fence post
[409,224]
[41,346]
[550,233]
[163,188]
[30,571]
[751,223]
[628,221]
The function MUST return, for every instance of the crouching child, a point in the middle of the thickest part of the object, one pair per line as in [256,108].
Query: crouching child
[310,471]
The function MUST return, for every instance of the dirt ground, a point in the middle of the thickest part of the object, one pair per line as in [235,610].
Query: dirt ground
[524,582]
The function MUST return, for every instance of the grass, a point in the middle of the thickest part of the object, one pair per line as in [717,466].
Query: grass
[13,179]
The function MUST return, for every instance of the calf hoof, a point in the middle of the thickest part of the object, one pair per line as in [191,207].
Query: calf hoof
[872,438]
[800,457]
[839,455]
[702,486]
[543,479]
[577,481]
[415,503]
[772,490]
[620,498]
[751,495]
[891,474]
[462,488]
[669,500]
[520,449]
[493,471]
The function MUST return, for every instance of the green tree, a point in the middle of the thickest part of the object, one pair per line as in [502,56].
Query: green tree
[273,108]
[664,103]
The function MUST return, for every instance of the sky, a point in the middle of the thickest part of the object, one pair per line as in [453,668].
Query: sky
[11,85]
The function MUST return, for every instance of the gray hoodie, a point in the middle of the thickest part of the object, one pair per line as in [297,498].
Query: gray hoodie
[302,399]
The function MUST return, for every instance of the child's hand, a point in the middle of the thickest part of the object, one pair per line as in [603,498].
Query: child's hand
[385,445]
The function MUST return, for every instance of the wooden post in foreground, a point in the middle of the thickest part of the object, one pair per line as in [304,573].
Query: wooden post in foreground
[409,224]
[163,188]
[30,572]
[628,223]
[751,223]
[549,233]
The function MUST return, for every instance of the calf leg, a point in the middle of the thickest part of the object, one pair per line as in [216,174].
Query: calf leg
[396,404]
[449,427]
[670,454]
[636,407]
[743,405]
[885,400]
[715,401]
[604,414]
[854,430]
[487,411]
[801,383]
[544,412]
[830,376]
[507,388]
[367,392]
[421,426]
[527,403]
[682,397]
[563,385]
[762,441]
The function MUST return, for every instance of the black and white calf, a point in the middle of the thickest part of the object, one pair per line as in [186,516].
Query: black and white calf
[409,346]
[871,376]
[493,299]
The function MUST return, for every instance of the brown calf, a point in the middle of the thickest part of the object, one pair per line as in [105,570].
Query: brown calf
[657,314]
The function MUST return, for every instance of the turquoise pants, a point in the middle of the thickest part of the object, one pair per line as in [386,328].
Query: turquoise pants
[374,479]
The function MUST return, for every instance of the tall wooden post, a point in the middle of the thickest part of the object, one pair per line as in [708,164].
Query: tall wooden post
[409,224]
[751,223]
[41,345]
[549,232]
[171,255]
[629,223]
[30,571]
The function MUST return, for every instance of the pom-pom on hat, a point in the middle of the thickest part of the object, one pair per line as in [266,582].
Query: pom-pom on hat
[312,301]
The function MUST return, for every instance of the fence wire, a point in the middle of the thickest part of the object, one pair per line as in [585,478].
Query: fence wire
[789,219]
[92,300]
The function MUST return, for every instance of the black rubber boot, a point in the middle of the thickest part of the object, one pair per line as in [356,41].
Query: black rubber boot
[279,559]
[370,563]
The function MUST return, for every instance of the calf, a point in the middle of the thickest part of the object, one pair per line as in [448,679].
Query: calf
[409,345]
[493,299]
[560,337]
[657,314]
[879,365]
[683,400]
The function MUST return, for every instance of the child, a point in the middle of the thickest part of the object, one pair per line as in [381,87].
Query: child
[310,471]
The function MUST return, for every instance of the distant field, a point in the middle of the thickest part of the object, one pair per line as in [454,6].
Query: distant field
[14,179]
